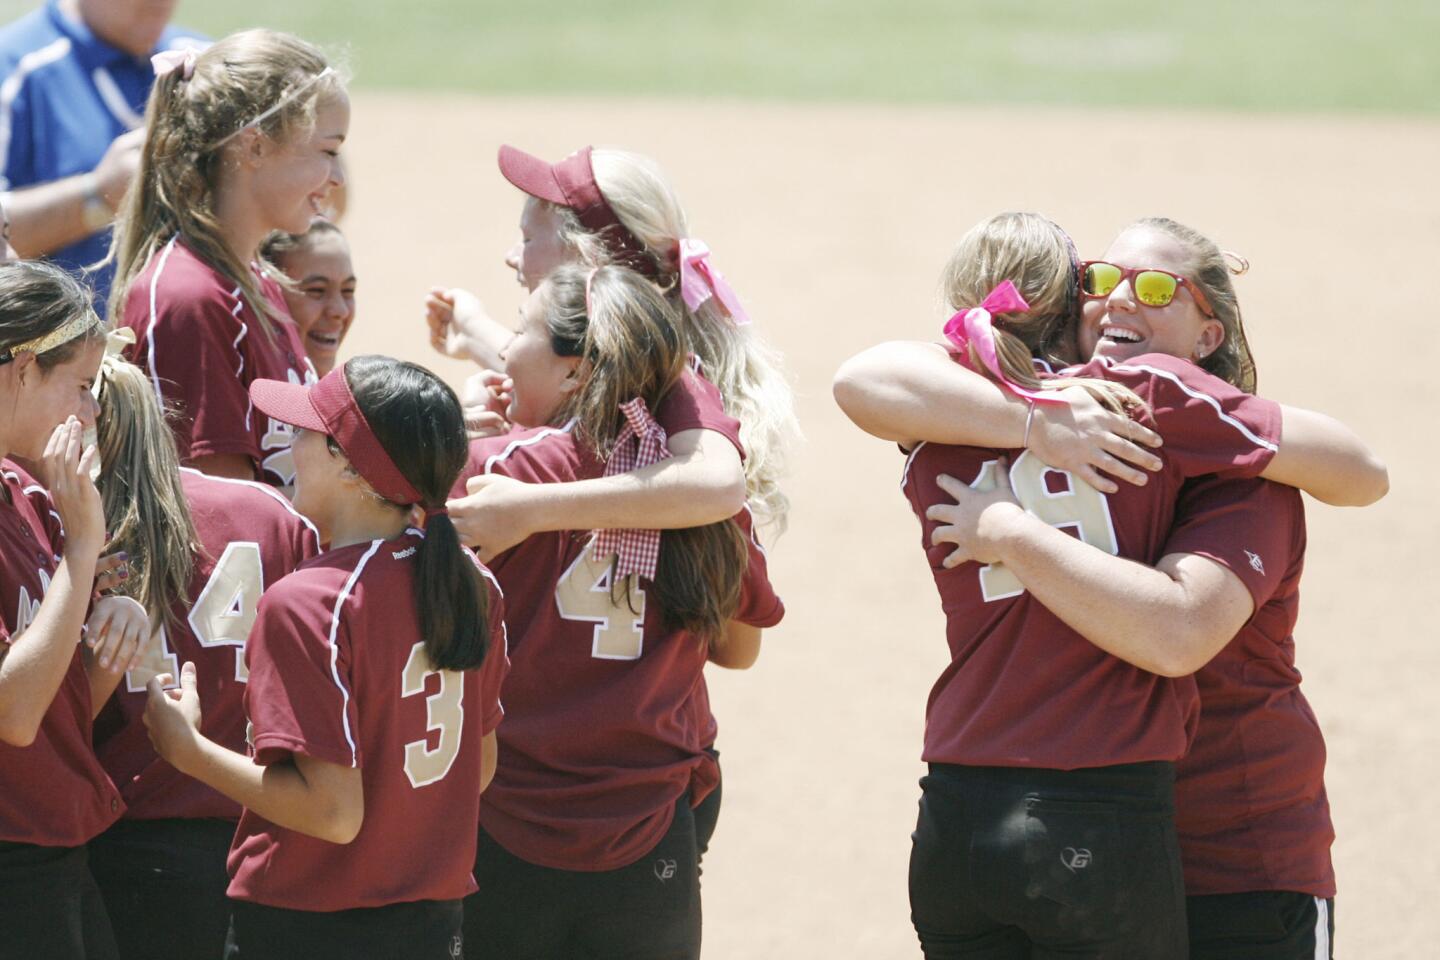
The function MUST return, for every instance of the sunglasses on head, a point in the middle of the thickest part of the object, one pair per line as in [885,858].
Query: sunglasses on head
[1152,287]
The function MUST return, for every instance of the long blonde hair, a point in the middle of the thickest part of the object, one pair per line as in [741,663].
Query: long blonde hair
[744,368]
[145,507]
[632,342]
[1035,254]
[189,124]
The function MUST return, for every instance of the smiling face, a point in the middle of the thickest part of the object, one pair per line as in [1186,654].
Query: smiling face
[323,306]
[542,378]
[539,249]
[319,476]
[1119,326]
[293,180]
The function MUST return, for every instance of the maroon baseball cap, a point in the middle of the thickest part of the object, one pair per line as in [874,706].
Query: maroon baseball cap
[571,184]
[329,407]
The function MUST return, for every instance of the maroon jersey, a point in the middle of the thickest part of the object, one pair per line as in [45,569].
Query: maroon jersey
[55,792]
[1023,689]
[1250,802]
[202,346]
[338,672]
[603,731]
[250,537]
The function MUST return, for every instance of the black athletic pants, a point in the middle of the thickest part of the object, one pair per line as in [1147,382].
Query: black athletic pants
[422,930]
[1029,864]
[50,907]
[649,910]
[1265,925]
[164,886]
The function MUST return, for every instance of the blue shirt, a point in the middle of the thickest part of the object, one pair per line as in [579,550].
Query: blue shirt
[64,96]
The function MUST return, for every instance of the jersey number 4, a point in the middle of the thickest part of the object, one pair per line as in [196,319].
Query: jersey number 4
[221,615]
[1072,505]
[584,594]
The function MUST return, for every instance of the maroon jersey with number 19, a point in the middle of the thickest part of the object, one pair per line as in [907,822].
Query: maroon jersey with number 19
[250,537]
[1250,803]
[1023,689]
[203,346]
[55,793]
[338,672]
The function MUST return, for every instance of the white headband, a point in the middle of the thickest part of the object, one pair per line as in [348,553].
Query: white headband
[279,105]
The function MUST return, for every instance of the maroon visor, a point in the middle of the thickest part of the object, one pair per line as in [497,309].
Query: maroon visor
[329,407]
[571,184]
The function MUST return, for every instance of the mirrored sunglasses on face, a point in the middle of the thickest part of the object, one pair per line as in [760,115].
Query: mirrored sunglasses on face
[1152,286]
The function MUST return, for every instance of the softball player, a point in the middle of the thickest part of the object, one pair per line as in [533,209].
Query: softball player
[591,835]
[201,550]
[1251,810]
[322,300]
[56,795]
[374,673]
[240,140]
[1046,790]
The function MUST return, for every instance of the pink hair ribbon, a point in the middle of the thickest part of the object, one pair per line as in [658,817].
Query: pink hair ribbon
[974,327]
[641,442]
[168,60]
[699,281]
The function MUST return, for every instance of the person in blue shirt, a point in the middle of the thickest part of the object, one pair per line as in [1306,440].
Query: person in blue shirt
[74,76]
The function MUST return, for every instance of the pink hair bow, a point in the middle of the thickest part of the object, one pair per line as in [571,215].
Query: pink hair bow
[168,60]
[974,327]
[641,442]
[699,281]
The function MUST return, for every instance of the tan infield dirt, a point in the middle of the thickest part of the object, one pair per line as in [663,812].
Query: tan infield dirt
[833,223]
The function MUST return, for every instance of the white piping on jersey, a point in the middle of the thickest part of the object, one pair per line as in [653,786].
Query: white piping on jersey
[115,102]
[150,347]
[240,370]
[1146,368]
[905,474]
[1322,929]
[517,444]
[10,89]
[335,650]
[36,488]
[264,488]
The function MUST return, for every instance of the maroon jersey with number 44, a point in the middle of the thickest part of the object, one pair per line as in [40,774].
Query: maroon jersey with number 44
[54,792]
[202,346]
[1023,689]
[338,672]
[250,537]
[1250,804]
[606,712]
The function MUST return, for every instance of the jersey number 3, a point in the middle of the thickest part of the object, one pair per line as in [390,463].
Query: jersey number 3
[1075,506]
[221,615]
[444,712]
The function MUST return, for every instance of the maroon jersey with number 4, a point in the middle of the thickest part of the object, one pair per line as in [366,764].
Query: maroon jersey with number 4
[203,346]
[606,718]
[54,794]
[250,537]
[1250,803]
[338,672]
[1023,689]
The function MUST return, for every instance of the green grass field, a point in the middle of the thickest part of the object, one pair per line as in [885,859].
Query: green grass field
[1283,55]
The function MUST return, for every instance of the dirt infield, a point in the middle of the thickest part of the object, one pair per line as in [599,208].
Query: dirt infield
[833,224]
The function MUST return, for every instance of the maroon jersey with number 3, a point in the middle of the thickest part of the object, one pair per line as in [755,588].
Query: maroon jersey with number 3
[1023,689]
[1250,803]
[606,718]
[250,537]
[54,792]
[202,346]
[338,672]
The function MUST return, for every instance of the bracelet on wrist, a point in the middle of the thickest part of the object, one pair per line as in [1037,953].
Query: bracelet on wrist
[1029,421]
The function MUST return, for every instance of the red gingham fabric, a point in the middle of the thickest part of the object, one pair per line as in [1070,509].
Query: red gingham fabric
[641,443]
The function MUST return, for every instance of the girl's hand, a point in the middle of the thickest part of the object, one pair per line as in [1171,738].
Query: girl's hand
[1082,437]
[453,317]
[485,398]
[494,515]
[117,632]
[975,522]
[173,716]
[65,470]
[111,571]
